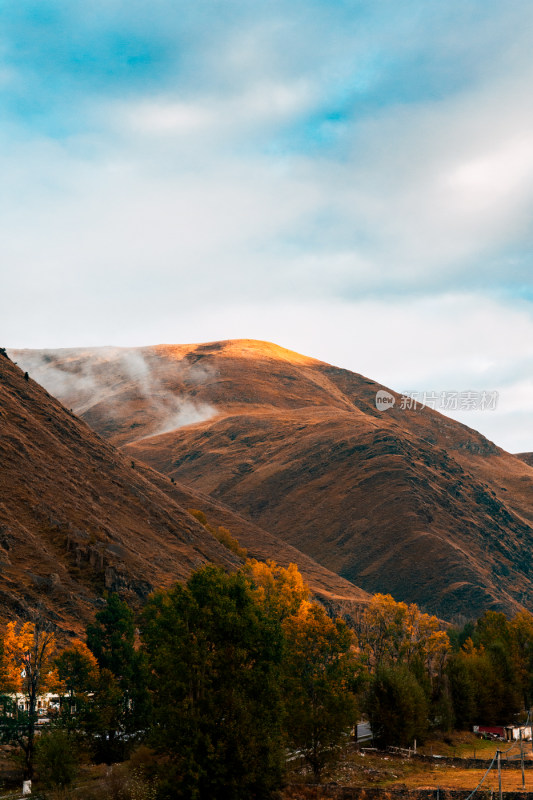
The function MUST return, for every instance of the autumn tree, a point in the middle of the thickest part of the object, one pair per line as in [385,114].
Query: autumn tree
[77,675]
[28,666]
[280,591]
[321,671]
[393,632]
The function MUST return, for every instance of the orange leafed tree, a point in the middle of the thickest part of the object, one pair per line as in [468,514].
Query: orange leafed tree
[321,671]
[280,591]
[394,632]
[28,652]
[76,669]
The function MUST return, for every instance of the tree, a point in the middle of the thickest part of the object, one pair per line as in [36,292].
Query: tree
[28,666]
[320,678]
[397,707]
[103,720]
[393,633]
[214,658]
[111,639]
[522,643]
[280,591]
[56,757]
[494,633]
[463,690]
[479,683]
[78,676]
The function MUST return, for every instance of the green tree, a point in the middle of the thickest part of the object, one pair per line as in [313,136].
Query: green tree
[483,685]
[495,634]
[463,691]
[111,638]
[397,707]
[214,658]
[57,758]
[522,633]
[102,720]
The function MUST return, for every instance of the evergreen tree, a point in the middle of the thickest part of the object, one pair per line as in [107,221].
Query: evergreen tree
[214,658]
[111,638]
[397,706]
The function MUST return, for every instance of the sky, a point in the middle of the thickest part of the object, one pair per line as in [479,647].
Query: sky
[349,179]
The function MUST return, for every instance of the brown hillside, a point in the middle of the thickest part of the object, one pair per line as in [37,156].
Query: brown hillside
[406,501]
[78,517]
[526,457]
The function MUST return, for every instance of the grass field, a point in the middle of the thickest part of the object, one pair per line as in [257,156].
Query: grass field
[377,769]
[466,745]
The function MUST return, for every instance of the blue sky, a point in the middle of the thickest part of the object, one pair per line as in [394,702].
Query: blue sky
[353,180]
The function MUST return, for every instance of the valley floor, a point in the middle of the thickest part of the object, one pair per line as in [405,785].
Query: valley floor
[367,768]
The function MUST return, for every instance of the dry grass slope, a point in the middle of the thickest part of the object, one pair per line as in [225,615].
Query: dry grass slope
[404,501]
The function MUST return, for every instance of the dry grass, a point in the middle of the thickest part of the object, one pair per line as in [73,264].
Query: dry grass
[367,769]
[463,744]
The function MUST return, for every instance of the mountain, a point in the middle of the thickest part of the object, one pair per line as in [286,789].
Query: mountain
[78,517]
[405,500]
[526,457]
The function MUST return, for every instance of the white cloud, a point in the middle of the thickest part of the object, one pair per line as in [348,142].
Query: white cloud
[208,207]
[456,342]
[97,384]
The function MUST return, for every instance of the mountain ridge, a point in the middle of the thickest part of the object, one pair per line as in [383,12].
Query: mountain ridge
[403,500]
[78,517]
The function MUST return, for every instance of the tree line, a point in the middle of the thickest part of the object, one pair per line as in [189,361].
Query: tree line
[224,679]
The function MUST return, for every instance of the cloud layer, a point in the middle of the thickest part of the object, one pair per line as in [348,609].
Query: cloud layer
[192,171]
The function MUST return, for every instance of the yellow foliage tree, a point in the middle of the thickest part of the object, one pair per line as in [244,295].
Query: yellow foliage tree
[281,591]
[321,670]
[394,632]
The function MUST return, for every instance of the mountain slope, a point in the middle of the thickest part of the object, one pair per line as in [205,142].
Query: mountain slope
[526,458]
[78,517]
[406,501]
